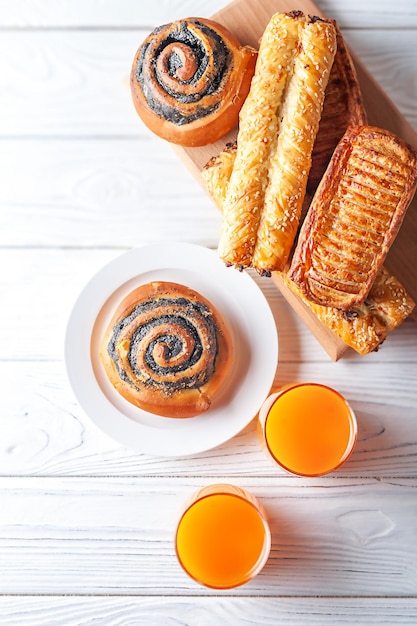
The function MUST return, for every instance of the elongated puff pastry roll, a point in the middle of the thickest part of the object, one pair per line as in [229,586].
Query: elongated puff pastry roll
[277,128]
[364,328]
[354,217]
[343,106]
[167,350]
[189,80]
[217,172]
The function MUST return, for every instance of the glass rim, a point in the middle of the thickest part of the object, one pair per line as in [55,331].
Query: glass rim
[266,547]
[353,429]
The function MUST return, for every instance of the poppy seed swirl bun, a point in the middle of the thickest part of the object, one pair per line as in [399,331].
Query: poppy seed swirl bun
[189,80]
[167,350]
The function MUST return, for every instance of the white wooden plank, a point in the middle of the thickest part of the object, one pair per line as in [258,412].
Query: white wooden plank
[330,537]
[100,193]
[128,13]
[40,286]
[102,13]
[45,432]
[371,14]
[392,67]
[111,532]
[143,611]
[38,290]
[79,80]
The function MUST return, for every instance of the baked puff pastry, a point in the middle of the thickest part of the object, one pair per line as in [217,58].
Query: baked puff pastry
[343,106]
[354,217]
[277,128]
[217,173]
[364,328]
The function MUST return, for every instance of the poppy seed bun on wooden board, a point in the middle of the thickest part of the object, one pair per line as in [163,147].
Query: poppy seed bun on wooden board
[189,80]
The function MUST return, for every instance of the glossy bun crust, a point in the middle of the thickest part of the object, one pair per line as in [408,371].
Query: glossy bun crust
[167,350]
[189,80]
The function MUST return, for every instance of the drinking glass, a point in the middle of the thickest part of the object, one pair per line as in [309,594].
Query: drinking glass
[223,538]
[308,429]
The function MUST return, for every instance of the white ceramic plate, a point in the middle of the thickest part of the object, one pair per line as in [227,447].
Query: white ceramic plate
[235,295]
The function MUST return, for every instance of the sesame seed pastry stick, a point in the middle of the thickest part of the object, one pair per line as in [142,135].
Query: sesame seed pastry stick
[291,162]
[217,172]
[363,328]
[257,137]
[343,106]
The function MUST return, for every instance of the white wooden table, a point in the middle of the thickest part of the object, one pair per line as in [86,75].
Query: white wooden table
[86,525]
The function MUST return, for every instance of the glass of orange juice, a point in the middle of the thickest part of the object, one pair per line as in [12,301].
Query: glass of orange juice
[223,538]
[308,429]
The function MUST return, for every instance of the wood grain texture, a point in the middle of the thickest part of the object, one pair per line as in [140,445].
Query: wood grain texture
[82,76]
[40,288]
[95,193]
[247,20]
[125,14]
[189,611]
[46,433]
[86,525]
[102,13]
[325,540]
[79,79]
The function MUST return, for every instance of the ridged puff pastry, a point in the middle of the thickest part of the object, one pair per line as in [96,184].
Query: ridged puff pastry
[343,106]
[363,328]
[366,327]
[277,128]
[354,217]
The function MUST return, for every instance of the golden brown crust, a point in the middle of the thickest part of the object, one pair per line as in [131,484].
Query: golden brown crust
[167,350]
[366,327]
[277,127]
[354,217]
[216,173]
[343,106]
[189,80]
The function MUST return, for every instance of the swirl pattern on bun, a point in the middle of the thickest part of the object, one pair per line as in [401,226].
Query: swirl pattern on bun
[167,350]
[189,80]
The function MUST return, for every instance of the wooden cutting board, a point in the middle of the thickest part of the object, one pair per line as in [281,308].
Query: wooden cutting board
[247,19]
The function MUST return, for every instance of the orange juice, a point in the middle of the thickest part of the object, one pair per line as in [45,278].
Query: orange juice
[223,539]
[309,429]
